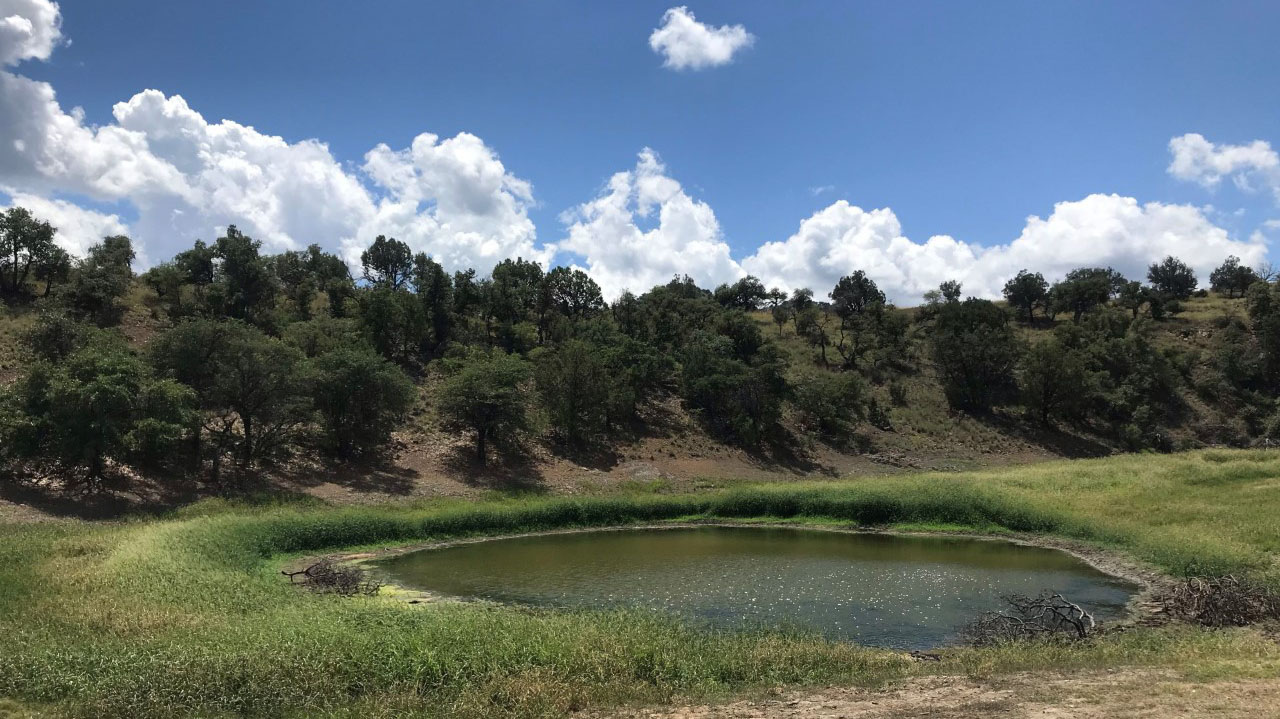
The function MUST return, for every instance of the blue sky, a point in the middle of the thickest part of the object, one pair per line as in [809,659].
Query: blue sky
[963,119]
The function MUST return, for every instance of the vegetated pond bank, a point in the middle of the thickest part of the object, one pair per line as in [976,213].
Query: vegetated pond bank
[188,616]
[904,592]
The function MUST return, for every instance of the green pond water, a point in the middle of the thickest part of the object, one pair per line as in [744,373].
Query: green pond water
[883,590]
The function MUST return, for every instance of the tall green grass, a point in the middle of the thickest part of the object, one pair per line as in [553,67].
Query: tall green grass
[188,616]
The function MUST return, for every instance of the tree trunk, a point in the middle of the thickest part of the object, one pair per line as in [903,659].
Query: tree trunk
[480,444]
[247,454]
[197,449]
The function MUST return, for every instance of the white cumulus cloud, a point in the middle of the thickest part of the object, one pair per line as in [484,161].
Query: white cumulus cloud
[620,254]
[686,44]
[189,178]
[1099,230]
[1198,160]
[477,212]
[644,228]
[841,238]
[29,30]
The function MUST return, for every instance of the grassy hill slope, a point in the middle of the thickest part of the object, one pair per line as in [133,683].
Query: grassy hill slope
[914,430]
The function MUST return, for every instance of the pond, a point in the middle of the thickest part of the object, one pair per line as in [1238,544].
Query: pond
[904,592]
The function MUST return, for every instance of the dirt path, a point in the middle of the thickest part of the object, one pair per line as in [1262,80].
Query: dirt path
[1111,695]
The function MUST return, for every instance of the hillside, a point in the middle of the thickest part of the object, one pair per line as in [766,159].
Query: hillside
[668,449]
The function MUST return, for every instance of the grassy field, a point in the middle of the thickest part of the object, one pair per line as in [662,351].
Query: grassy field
[188,615]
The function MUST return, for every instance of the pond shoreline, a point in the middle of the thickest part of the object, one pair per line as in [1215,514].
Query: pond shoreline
[1113,563]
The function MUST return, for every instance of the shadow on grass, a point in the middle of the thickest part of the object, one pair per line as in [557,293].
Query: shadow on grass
[1053,439]
[376,474]
[510,468]
[112,499]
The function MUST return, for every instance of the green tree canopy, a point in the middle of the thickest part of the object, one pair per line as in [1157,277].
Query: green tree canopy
[830,403]
[102,280]
[1232,277]
[486,396]
[96,406]
[746,294]
[387,262]
[1084,289]
[244,286]
[1055,382]
[574,381]
[27,251]
[1172,277]
[975,351]
[435,292]
[360,398]
[1025,292]
[249,385]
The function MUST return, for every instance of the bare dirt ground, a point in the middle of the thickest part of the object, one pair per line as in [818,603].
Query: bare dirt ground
[429,464]
[674,454]
[1111,695]
[668,451]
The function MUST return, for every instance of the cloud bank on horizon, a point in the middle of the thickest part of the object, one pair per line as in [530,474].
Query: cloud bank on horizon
[182,177]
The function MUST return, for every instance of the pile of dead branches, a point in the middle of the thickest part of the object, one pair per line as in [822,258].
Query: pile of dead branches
[329,577]
[1045,616]
[1220,602]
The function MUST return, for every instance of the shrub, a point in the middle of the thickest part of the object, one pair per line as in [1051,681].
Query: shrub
[55,336]
[830,403]
[360,398]
[898,394]
[101,281]
[1220,602]
[975,351]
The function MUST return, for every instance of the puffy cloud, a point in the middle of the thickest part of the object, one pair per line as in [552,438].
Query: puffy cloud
[285,194]
[841,238]
[1117,231]
[478,210]
[44,148]
[621,255]
[78,228]
[625,249]
[189,178]
[1199,160]
[1107,230]
[29,30]
[686,44]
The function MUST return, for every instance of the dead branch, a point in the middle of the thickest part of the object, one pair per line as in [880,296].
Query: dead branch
[1047,615]
[1226,601]
[329,577]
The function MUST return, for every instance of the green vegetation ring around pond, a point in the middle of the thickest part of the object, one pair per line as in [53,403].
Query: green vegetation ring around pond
[189,616]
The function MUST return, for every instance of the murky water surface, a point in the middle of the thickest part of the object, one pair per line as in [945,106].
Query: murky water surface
[902,592]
